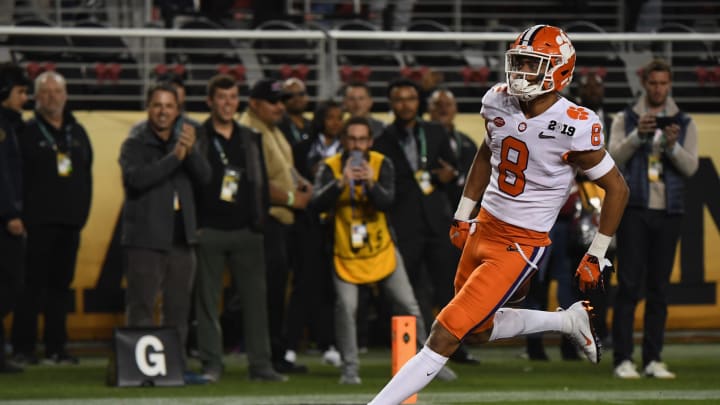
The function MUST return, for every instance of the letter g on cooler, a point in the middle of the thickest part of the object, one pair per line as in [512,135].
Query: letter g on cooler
[149,356]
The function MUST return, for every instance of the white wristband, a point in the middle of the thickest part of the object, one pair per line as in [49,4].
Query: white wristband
[465,208]
[599,246]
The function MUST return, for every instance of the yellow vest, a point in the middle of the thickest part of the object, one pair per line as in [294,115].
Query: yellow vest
[375,259]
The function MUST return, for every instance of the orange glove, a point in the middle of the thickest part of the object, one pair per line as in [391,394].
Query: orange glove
[459,232]
[589,272]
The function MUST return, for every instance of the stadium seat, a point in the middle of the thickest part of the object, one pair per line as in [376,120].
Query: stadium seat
[39,53]
[283,51]
[109,68]
[432,53]
[202,58]
[38,47]
[289,57]
[99,49]
[379,56]
[686,58]
[602,56]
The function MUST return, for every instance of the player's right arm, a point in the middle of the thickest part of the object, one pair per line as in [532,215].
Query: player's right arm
[478,179]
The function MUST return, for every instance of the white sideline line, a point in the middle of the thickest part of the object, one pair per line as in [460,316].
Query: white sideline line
[424,398]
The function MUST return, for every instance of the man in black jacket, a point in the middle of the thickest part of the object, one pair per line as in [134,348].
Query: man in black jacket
[232,209]
[13,94]
[420,214]
[294,125]
[57,179]
[443,109]
[161,164]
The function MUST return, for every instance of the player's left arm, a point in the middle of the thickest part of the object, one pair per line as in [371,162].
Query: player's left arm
[599,167]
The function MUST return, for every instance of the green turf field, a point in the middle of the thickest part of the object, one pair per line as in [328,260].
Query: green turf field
[502,377]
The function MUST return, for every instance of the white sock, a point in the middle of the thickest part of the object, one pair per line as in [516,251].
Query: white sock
[510,322]
[412,377]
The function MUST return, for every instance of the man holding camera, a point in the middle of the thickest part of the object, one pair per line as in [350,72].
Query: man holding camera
[655,145]
[357,186]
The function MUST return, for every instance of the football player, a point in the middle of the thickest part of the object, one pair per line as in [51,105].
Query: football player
[536,141]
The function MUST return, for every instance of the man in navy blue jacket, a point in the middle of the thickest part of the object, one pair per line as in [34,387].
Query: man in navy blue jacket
[13,94]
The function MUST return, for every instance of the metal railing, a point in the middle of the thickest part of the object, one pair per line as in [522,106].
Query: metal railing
[138,52]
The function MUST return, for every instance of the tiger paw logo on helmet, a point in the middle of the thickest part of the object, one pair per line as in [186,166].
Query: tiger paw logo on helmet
[541,60]
[578,113]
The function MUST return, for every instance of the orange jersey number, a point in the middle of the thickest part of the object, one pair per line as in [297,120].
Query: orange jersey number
[513,162]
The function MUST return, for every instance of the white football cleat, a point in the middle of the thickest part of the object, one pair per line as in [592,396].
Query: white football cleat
[582,331]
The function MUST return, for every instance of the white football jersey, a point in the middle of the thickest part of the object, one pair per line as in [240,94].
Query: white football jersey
[530,180]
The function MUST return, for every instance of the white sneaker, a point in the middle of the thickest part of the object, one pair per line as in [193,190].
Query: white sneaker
[290,356]
[332,357]
[582,332]
[656,369]
[446,374]
[626,370]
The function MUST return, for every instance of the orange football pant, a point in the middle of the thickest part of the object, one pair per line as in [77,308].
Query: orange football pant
[490,271]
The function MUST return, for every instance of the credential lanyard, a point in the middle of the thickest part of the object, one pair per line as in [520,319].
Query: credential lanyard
[51,140]
[423,146]
[221,151]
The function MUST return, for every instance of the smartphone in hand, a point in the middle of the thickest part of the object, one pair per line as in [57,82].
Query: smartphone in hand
[356,158]
[662,122]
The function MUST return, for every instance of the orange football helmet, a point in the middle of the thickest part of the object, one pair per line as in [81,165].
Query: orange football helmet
[541,60]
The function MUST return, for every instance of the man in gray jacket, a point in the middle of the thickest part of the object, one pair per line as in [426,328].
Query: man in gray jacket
[161,162]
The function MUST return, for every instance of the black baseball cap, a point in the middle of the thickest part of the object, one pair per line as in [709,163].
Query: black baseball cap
[267,89]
